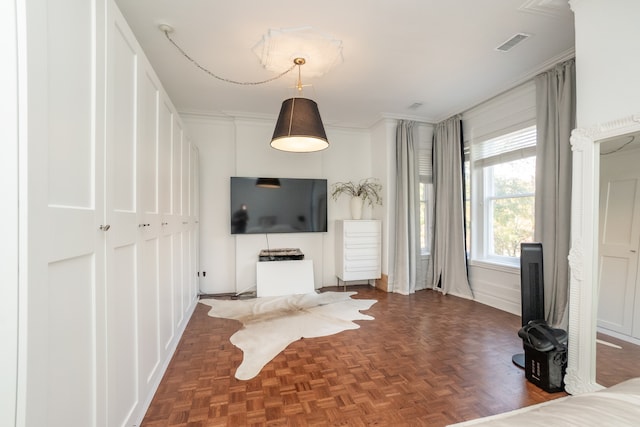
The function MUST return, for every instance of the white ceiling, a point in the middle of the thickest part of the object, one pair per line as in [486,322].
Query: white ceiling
[440,53]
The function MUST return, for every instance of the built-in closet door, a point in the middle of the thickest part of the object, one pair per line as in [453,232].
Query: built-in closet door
[151,230]
[619,243]
[108,241]
[168,226]
[64,245]
[125,232]
[194,214]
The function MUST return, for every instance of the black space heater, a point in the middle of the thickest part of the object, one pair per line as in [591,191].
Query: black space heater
[531,288]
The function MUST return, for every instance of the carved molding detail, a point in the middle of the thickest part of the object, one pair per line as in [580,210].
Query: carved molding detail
[576,385]
[580,140]
[576,258]
[583,286]
[611,128]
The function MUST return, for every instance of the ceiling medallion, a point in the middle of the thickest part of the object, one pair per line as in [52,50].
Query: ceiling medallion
[279,47]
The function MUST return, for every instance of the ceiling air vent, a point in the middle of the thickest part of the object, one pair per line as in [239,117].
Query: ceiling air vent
[512,42]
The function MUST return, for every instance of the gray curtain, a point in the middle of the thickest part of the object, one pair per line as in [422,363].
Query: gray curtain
[448,262]
[556,118]
[407,235]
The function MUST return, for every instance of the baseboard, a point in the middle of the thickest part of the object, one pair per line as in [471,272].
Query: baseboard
[618,335]
[136,420]
[496,302]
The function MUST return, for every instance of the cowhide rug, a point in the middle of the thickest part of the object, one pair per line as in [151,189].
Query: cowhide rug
[272,323]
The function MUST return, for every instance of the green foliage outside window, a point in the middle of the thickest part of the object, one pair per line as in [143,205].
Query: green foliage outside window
[513,206]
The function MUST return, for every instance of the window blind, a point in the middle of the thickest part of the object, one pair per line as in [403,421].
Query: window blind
[512,146]
[425,164]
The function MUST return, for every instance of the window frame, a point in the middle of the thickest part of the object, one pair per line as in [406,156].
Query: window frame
[425,189]
[482,198]
[425,181]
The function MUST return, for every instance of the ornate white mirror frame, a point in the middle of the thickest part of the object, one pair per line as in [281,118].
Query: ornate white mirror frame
[583,256]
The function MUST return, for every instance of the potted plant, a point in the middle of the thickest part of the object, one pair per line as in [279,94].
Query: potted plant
[366,190]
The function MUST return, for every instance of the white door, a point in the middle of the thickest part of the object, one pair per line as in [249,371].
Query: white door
[122,245]
[194,213]
[165,255]
[148,292]
[619,242]
[64,243]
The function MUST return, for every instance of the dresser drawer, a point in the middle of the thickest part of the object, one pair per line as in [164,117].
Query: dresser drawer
[358,249]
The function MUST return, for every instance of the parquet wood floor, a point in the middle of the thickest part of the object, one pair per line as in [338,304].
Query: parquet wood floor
[426,360]
[614,365]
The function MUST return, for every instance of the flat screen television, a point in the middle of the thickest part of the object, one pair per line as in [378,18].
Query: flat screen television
[262,205]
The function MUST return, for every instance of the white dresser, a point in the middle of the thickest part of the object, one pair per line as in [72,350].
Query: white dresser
[358,248]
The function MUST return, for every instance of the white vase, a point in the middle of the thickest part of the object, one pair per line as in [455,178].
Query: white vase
[356,207]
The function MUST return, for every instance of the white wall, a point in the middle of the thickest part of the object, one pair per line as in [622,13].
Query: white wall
[239,146]
[214,137]
[607,63]
[383,134]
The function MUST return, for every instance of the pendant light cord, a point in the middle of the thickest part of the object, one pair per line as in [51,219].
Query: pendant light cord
[194,62]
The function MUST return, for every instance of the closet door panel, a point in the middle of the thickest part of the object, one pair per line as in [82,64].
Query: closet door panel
[178,283]
[186,178]
[177,175]
[176,171]
[194,207]
[165,118]
[148,296]
[70,105]
[121,102]
[70,342]
[148,311]
[148,98]
[121,213]
[63,237]
[122,367]
[187,270]
[165,301]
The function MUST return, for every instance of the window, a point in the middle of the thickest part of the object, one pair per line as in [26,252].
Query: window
[426,195]
[505,169]
[426,219]
[467,199]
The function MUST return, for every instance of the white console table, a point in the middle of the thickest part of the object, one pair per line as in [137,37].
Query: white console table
[275,278]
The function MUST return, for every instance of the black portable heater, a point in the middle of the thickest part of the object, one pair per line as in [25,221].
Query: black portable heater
[545,354]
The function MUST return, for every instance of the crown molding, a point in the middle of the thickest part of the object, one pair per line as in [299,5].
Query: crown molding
[550,63]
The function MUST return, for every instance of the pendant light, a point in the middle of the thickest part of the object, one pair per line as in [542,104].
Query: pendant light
[299,127]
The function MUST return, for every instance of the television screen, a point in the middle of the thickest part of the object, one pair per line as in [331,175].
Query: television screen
[278,205]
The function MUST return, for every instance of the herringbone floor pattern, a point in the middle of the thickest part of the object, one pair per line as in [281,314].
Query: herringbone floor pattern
[426,360]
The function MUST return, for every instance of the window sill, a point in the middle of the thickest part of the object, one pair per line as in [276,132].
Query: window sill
[495,265]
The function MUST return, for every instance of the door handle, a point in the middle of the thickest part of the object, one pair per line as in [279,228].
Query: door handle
[105,227]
